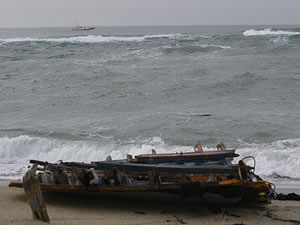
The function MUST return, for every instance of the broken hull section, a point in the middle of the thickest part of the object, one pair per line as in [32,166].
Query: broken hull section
[231,189]
[190,157]
[122,176]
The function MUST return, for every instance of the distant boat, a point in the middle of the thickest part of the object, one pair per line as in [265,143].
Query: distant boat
[82,28]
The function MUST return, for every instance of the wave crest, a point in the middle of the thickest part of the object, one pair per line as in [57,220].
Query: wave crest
[279,158]
[15,152]
[92,39]
[269,31]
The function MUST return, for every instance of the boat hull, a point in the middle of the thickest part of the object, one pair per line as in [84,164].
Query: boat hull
[229,189]
[84,29]
[185,179]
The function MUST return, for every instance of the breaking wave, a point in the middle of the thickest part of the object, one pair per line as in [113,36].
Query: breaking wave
[92,39]
[269,31]
[276,159]
[16,152]
[279,40]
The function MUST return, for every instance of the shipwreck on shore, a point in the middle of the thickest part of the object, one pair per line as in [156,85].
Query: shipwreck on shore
[184,174]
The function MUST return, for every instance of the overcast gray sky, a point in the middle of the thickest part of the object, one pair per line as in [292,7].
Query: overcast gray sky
[52,13]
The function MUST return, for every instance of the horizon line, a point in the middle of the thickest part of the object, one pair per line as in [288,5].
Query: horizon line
[163,25]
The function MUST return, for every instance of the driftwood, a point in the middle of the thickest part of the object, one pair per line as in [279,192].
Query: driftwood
[34,196]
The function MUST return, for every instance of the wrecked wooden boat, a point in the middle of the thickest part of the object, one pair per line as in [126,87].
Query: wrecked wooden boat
[185,174]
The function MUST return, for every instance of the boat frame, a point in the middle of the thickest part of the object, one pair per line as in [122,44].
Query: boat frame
[226,180]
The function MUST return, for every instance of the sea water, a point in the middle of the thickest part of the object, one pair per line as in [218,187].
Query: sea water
[80,96]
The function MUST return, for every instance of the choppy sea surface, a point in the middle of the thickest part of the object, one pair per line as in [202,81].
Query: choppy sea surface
[67,95]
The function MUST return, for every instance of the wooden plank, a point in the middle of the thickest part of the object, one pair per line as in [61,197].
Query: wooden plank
[230,188]
[165,178]
[161,168]
[206,154]
[186,154]
[188,157]
[34,196]
[115,188]
[144,168]
[145,176]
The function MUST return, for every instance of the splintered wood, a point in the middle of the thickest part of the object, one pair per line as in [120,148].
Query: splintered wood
[34,196]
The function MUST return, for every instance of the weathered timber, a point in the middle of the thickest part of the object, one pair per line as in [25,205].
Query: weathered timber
[188,157]
[164,168]
[34,196]
[145,176]
[139,167]
[165,177]
[115,188]
[230,188]
[186,179]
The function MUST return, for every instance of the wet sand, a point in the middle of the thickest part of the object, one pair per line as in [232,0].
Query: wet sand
[142,208]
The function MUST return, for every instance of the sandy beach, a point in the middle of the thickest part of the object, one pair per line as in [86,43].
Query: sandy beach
[142,208]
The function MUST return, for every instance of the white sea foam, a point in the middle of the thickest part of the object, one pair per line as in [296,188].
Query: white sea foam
[277,158]
[269,31]
[16,152]
[215,46]
[171,36]
[91,39]
[193,37]
[279,40]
